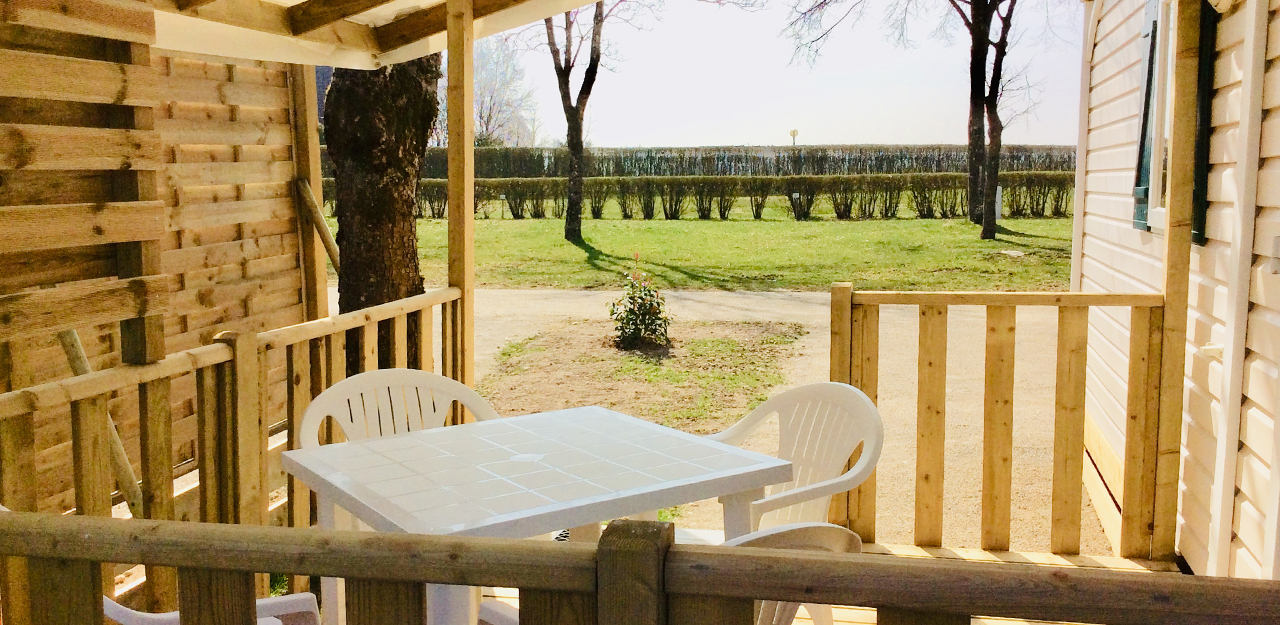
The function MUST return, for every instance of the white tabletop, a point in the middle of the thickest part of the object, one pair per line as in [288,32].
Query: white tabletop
[529,475]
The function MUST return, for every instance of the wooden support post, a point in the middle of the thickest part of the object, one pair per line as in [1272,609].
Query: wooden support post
[298,373]
[420,335]
[1141,431]
[336,357]
[209,454]
[931,425]
[156,442]
[841,369]
[864,373]
[379,602]
[243,472]
[17,477]
[216,597]
[997,434]
[695,610]
[68,592]
[1177,237]
[1068,430]
[306,159]
[91,462]
[630,589]
[545,607]
[461,149]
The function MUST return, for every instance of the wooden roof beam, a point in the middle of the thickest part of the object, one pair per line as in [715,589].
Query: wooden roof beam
[187,5]
[313,14]
[428,22]
[274,19]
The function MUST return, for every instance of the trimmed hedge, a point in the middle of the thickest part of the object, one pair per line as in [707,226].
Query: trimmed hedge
[867,196]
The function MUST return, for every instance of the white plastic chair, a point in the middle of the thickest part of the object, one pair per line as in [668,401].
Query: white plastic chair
[296,609]
[820,425]
[389,401]
[375,404]
[806,536]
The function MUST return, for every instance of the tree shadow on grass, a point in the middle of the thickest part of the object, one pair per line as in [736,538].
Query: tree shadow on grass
[1007,232]
[601,260]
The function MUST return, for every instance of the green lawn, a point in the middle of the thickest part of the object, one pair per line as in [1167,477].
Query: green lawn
[775,253]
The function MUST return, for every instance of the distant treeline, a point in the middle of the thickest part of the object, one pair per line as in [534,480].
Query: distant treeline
[827,160]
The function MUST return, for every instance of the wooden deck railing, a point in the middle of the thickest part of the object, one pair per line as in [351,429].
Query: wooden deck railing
[1146,503]
[634,576]
[238,469]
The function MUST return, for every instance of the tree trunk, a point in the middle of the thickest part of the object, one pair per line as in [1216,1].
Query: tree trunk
[577,169]
[979,31]
[992,170]
[377,123]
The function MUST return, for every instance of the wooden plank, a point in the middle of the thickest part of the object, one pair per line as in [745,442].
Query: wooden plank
[216,597]
[369,347]
[631,587]
[315,220]
[28,146]
[312,14]
[306,138]
[207,444]
[699,610]
[280,337]
[460,95]
[900,616]
[273,19]
[931,424]
[67,591]
[864,358]
[122,20]
[1141,431]
[378,602]
[45,77]
[399,342]
[246,436]
[49,311]
[91,463]
[430,21]
[1034,558]
[298,374]
[542,607]
[997,432]
[141,337]
[1009,298]
[420,340]
[1068,429]
[17,476]
[29,228]
[841,370]
[156,445]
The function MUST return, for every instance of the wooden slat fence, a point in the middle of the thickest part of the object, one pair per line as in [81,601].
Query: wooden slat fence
[855,360]
[634,576]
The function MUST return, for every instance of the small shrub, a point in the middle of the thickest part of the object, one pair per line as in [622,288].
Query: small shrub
[559,197]
[434,195]
[727,190]
[841,190]
[758,188]
[640,314]
[647,191]
[802,192]
[704,196]
[627,197]
[674,191]
[596,192]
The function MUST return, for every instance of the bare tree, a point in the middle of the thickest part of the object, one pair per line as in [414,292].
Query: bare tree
[565,57]
[995,126]
[505,108]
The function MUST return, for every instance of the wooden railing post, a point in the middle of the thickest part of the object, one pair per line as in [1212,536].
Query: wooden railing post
[244,440]
[931,425]
[630,584]
[67,592]
[298,373]
[1137,509]
[1068,429]
[997,432]
[380,602]
[216,597]
[17,477]
[91,465]
[156,443]
[421,339]
[864,373]
[399,341]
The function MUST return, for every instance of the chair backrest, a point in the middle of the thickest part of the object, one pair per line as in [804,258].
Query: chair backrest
[389,401]
[819,427]
[803,536]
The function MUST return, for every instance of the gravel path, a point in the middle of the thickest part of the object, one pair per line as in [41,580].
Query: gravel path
[504,315]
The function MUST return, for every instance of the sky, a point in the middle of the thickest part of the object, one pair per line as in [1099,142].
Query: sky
[706,74]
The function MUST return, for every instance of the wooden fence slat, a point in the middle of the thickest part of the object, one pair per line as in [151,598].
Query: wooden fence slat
[155,425]
[702,610]
[898,616]
[56,226]
[380,602]
[423,337]
[68,592]
[997,433]
[369,347]
[47,311]
[841,331]
[931,424]
[91,464]
[399,341]
[298,373]
[122,20]
[208,452]
[244,474]
[336,357]
[546,607]
[865,370]
[48,77]
[1137,508]
[630,588]
[31,147]
[17,477]
[1068,429]
[216,597]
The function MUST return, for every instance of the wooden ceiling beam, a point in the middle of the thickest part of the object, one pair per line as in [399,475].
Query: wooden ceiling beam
[273,19]
[187,5]
[430,21]
[313,14]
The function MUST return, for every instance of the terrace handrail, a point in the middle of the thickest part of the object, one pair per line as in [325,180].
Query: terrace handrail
[290,335]
[635,570]
[1143,514]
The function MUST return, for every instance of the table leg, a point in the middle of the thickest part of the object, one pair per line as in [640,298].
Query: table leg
[452,605]
[737,512]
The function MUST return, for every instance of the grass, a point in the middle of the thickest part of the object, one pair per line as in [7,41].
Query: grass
[774,253]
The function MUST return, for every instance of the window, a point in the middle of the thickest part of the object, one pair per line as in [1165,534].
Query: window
[1204,123]
[1147,138]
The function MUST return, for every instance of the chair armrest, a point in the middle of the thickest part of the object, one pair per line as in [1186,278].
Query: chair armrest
[846,481]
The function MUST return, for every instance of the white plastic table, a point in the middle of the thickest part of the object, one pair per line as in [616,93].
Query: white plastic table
[531,475]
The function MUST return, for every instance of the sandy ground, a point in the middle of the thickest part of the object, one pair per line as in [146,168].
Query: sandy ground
[506,315]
